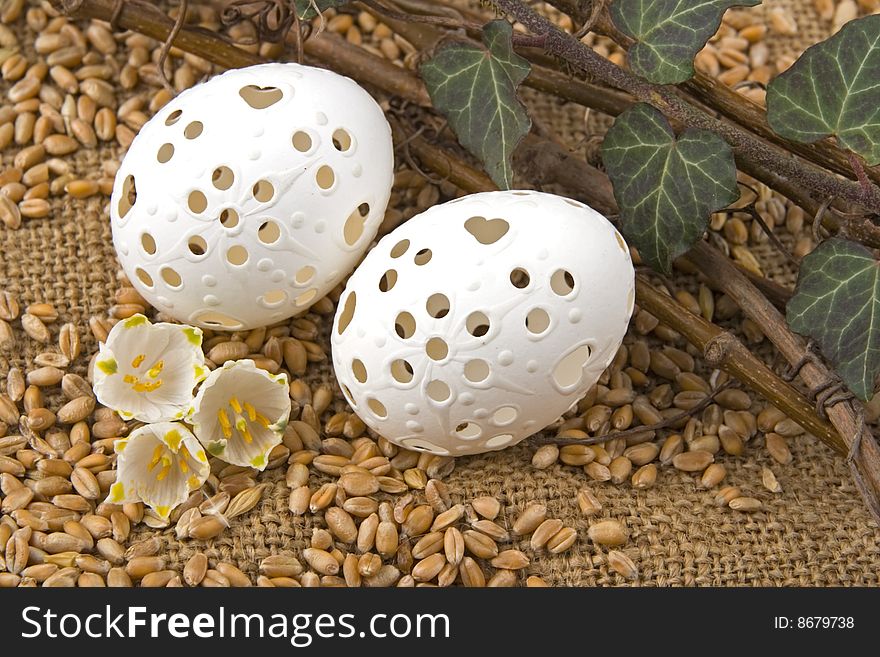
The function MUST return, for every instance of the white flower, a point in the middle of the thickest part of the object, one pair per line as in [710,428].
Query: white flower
[148,371]
[160,465]
[240,413]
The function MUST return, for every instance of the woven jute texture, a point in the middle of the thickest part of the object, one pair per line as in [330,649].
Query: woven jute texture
[815,533]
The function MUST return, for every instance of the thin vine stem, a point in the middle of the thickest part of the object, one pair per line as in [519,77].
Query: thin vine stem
[635,431]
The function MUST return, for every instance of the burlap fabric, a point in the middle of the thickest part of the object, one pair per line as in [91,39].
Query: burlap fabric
[816,533]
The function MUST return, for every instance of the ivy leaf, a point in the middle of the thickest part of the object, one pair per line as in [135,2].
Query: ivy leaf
[833,89]
[666,186]
[669,33]
[837,303]
[308,9]
[475,88]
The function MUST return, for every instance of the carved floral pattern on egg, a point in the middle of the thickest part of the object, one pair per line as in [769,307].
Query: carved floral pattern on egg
[480,321]
[249,197]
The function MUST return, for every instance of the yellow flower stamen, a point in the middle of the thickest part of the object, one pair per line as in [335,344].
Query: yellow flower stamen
[233,401]
[263,420]
[182,456]
[156,370]
[251,411]
[193,482]
[157,454]
[147,387]
[137,386]
[138,360]
[241,425]
[166,468]
[223,418]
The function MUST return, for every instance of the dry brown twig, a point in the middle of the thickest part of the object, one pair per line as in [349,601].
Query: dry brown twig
[639,430]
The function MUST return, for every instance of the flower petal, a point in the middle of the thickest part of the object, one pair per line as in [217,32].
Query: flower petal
[148,371]
[158,464]
[240,413]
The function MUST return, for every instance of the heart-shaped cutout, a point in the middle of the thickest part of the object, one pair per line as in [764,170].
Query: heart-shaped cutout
[260,97]
[569,371]
[486,231]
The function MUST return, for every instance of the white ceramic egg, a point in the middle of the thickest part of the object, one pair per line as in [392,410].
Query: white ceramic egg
[247,198]
[480,321]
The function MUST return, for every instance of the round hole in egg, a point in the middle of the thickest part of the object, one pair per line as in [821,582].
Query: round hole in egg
[377,407]
[401,371]
[144,277]
[438,391]
[171,277]
[148,244]
[165,153]
[325,177]
[537,321]
[437,305]
[476,370]
[504,416]
[477,324]
[436,348]
[520,278]
[359,370]
[302,141]
[405,325]
[193,130]
[269,232]
[399,249]
[274,298]
[304,275]
[423,257]
[263,191]
[342,140]
[197,202]
[229,218]
[237,255]
[222,178]
[497,442]
[468,430]
[197,245]
[562,282]
[388,280]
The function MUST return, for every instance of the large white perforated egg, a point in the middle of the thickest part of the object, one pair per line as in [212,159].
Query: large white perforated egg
[480,321]
[249,197]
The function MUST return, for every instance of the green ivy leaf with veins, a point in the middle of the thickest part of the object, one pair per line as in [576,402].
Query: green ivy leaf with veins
[475,89]
[669,33]
[666,186]
[833,89]
[837,303]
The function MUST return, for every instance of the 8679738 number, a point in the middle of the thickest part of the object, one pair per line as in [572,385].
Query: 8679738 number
[814,622]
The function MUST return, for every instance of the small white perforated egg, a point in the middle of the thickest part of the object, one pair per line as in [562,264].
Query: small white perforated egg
[480,321]
[249,197]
